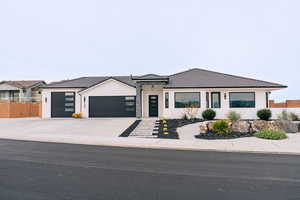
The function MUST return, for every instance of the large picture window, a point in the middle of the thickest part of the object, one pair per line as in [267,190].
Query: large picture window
[242,99]
[215,100]
[187,99]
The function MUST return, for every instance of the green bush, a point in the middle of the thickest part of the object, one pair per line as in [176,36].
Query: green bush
[233,116]
[270,134]
[221,127]
[209,114]
[264,114]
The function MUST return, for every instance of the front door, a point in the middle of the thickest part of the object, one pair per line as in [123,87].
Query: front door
[153,106]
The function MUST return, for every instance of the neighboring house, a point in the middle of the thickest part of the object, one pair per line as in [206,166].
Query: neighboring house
[20,91]
[154,95]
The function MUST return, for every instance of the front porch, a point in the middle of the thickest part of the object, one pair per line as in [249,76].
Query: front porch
[149,95]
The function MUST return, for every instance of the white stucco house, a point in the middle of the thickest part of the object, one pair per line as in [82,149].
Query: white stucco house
[154,95]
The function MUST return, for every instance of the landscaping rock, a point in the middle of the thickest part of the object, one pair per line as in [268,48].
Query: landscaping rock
[203,128]
[210,126]
[259,125]
[285,125]
[241,127]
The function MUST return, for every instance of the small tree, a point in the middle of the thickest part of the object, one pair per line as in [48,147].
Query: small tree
[264,114]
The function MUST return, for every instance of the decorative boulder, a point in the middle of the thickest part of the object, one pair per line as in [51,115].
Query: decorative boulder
[285,125]
[203,128]
[210,126]
[240,127]
[259,125]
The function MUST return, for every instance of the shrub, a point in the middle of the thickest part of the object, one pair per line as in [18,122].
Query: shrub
[264,114]
[221,127]
[233,116]
[292,116]
[270,134]
[283,115]
[208,114]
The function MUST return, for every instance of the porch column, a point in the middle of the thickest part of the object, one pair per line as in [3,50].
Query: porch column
[138,100]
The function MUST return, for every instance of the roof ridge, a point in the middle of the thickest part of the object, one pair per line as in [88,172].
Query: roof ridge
[236,76]
[64,81]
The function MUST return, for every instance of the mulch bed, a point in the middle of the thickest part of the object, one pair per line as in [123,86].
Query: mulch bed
[173,124]
[127,132]
[216,136]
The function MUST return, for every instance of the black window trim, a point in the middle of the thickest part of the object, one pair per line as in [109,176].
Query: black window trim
[167,100]
[211,99]
[187,93]
[242,92]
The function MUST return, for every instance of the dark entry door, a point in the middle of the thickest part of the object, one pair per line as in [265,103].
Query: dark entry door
[62,104]
[153,106]
[112,106]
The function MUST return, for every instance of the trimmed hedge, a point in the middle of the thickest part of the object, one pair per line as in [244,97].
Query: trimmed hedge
[208,114]
[264,114]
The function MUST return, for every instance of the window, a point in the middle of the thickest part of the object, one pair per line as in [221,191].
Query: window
[267,99]
[69,99]
[216,100]
[167,100]
[130,103]
[187,99]
[242,99]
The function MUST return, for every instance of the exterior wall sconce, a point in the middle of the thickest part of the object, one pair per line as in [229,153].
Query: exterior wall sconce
[46,99]
[225,95]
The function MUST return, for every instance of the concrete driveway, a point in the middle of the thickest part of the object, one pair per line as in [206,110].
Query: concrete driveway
[64,130]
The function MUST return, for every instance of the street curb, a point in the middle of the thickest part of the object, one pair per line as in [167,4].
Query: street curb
[161,147]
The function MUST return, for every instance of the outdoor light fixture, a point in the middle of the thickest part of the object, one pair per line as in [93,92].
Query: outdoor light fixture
[45,99]
[225,96]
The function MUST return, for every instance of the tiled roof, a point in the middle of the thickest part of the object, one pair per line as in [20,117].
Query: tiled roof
[200,78]
[86,82]
[24,84]
[193,78]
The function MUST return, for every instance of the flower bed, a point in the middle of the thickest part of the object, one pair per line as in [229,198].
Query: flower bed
[172,125]
[215,136]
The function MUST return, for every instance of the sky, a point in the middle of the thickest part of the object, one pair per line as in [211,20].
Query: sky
[64,39]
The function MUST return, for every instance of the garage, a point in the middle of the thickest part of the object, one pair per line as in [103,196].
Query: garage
[62,104]
[112,106]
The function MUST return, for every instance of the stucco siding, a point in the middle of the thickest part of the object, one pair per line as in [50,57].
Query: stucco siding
[147,91]
[110,87]
[46,100]
[246,113]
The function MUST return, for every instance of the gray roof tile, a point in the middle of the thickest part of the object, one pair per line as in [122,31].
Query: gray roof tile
[193,78]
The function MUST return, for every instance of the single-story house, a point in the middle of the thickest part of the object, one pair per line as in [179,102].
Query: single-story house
[21,91]
[154,95]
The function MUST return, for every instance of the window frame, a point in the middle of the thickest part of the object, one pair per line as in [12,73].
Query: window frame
[211,99]
[175,93]
[242,93]
[167,100]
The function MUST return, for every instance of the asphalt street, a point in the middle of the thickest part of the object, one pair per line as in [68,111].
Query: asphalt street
[35,170]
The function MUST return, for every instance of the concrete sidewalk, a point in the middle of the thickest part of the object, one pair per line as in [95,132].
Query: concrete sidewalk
[105,132]
[290,145]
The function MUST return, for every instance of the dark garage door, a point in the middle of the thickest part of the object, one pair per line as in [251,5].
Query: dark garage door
[62,104]
[112,106]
